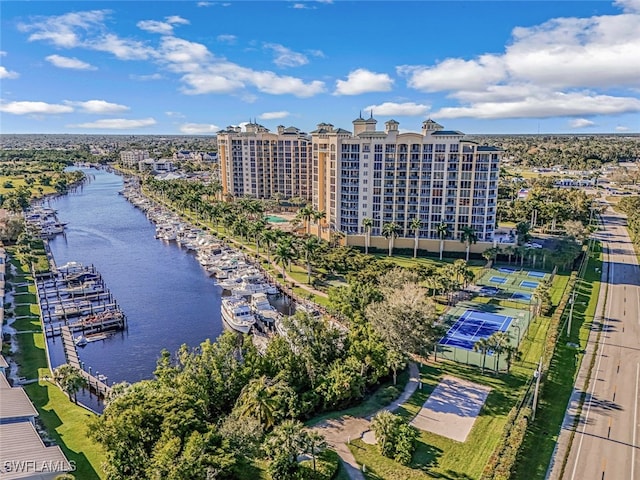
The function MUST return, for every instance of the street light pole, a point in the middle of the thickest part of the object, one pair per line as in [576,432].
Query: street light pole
[537,374]
[572,301]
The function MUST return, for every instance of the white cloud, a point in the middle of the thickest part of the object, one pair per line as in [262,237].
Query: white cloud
[454,74]
[146,78]
[363,81]
[183,56]
[399,109]
[8,74]
[543,68]
[273,115]
[163,28]
[62,30]
[34,108]
[116,124]
[227,38]
[98,107]
[121,48]
[556,104]
[285,57]
[303,6]
[154,26]
[197,128]
[69,62]
[227,77]
[174,114]
[622,128]
[204,4]
[2,53]
[628,5]
[581,123]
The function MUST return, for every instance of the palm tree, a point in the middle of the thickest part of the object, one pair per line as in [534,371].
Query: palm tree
[367,225]
[309,246]
[305,214]
[259,399]
[416,225]
[70,380]
[468,236]
[443,231]
[499,342]
[510,251]
[319,215]
[482,346]
[269,237]
[314,443]
[390,231]
[283,255]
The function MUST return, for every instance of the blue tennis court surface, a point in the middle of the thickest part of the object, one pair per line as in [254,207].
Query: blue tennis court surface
[528,284]
[521,296]
[536,274]
[489,290]
[507,270]
[498,280]
[472,325]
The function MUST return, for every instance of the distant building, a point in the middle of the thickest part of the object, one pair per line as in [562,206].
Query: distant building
[261,164]
[132,158]
[162,165]
[436,176]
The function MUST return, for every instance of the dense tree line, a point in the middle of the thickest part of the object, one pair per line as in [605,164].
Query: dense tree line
[631,207]
[573,152]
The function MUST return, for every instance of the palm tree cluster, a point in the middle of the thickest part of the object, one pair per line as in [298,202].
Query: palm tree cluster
[631,206]
[497,344]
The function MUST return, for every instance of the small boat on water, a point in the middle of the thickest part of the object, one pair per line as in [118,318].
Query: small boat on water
[81,341]
[237,313]
[263,309]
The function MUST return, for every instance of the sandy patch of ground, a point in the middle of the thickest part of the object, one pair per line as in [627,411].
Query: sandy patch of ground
[452,408]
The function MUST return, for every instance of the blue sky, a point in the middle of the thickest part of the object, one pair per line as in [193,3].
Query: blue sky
[166,67]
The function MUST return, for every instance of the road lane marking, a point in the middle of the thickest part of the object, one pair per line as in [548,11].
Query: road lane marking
[635,425]
[595,380]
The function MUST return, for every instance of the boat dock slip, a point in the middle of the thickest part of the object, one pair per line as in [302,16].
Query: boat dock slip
[71,354]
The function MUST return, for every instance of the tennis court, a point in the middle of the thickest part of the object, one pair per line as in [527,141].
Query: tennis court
[499,280]
[507,270]
[521,296]
[528,284]
[537,274]
[473,325]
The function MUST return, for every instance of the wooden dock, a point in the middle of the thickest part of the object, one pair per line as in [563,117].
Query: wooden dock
[71,354]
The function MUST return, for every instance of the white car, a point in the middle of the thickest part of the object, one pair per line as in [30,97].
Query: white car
[532,245]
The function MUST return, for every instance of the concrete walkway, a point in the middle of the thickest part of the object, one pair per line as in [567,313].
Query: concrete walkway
[339,432]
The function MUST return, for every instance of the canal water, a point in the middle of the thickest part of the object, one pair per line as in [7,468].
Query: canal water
[166,295]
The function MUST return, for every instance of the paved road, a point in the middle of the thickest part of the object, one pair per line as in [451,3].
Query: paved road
[606,442]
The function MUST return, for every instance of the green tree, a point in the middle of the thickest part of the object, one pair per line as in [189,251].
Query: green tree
[390,231]
[318,216]
[483,346]
[416,225]
[367,225]
[443,232]
[468,236]
[70,380]
[395,437]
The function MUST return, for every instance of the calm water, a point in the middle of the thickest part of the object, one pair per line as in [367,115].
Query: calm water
[167,296]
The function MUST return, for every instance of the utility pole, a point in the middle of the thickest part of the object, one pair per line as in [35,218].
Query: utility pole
[572,301]
[537,374]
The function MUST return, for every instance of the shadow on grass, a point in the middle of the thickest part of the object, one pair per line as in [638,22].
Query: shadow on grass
[39,395]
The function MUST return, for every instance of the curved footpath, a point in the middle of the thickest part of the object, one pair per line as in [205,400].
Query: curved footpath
[338,432]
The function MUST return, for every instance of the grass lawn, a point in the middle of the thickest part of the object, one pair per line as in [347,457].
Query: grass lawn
[441,457]
[66,423]
[541,437]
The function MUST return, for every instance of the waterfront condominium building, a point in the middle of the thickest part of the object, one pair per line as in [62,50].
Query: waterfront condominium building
[436,176]
[131,158]
[256,162]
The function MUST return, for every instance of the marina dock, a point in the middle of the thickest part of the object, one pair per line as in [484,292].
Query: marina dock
[97,386]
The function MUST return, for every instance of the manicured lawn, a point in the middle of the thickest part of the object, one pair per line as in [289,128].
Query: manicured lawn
[541,437]
[66,423]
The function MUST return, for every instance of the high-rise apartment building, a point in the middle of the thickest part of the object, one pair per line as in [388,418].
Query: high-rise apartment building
[131,158]
[436,176]
[261,164]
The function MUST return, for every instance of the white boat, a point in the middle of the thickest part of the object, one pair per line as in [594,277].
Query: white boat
[87,288]
[81,341]
[246,289]
[263,309]
[237,313]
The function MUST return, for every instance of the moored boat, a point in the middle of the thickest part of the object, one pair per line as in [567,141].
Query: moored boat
[237,313]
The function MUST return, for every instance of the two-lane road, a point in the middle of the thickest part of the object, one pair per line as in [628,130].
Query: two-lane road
[605,446]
